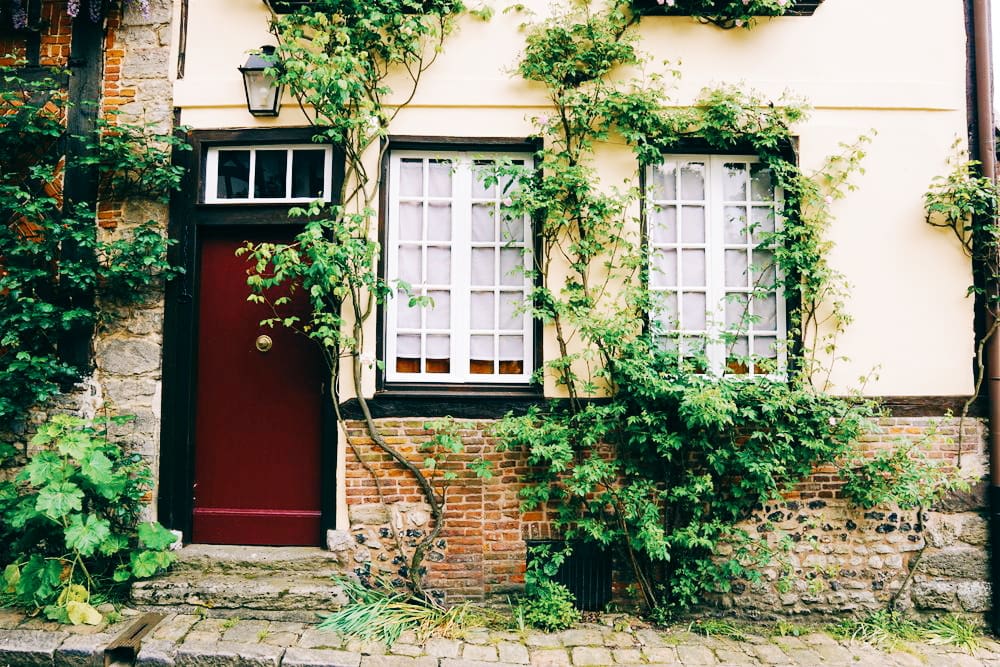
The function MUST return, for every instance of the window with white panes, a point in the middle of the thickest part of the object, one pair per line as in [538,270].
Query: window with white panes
[452,240]
[268,174]
[711,220]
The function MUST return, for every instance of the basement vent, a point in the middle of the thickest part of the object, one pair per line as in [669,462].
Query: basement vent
[586,572]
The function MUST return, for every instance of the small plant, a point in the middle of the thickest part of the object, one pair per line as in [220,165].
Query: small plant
[783,628]
[884,629]
[717,627]
[954,630]
[230,623]
[69,523]
[549,606]
[381,613]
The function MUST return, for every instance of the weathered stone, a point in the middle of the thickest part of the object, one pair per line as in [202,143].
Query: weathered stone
[581,637]
[156,653]
[397,661]
[339,541]
[439,647]
[478,652]
[83,650]
[972,500]
[245,632]
[975,531]
[401,648]
[309,657]
[975,596]
[941,530]
[542,640]
[549,658]
[371,514]
[934,595]
[513,652]
[769,654]
[128,356]
[224,654]
[10,619]
[29,648]
[627,656]
[591,655]
[691,654]
[660,654]
[959,562]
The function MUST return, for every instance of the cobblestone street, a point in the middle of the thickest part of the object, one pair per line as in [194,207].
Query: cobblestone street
[181,639]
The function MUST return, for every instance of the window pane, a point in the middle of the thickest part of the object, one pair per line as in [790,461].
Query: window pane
[693,268]
[736,224]
[511,355]
[411,221]
[765,309]
[761,184]
[666,310]
[693,180]
[438,358]
[439,178]
[439,222]
[483,272]
[736,268]
[664,270]
[308,173]
[511,267]
[693,316]
[439,314]
[734,181]
[763,268]
[693,224]
[511,315]
[411,177]
[511,227]
[482,315]
[438,265]
[269,174]
[736,361]
[406,317]
[663,183]
[736,312]
[663,224]
[409,264]
[483,228]
[481,355]
[762,218]
[234,175]
[408,353]
[765,346]
[483,170]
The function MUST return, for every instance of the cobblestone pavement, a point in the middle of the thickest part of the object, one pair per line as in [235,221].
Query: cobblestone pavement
[181,639]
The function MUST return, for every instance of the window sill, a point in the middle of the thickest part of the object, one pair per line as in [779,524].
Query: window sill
[462,402]
[653,8]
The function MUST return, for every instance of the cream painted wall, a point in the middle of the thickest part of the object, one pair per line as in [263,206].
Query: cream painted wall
[893,66]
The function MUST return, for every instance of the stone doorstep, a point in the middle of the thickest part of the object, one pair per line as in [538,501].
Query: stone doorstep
[273,583]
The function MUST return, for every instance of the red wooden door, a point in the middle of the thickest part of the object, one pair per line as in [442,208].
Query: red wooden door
[258,414]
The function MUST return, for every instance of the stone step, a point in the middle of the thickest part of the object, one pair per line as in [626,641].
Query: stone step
[275,583]
[288,597]
[254,560]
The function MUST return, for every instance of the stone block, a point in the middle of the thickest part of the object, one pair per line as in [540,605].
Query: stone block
[310,657]
[958,562]
[156,653]
[397,661]
[975,596]
[370,514]
[513,652]
[691,654]
[226,654]
[29,648]
[127,356]
[582,637]
[549,658]
[480,653]
[972,500]
[934,594]
[83,650]
[975,531]
[439,647]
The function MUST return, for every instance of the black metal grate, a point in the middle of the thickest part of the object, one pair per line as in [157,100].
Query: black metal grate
[652,7]
[586,572]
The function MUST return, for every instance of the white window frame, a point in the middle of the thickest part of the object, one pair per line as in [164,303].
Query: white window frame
[461,274]
[212,174]
[715,246]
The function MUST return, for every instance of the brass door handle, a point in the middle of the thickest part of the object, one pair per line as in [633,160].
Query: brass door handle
[263,343]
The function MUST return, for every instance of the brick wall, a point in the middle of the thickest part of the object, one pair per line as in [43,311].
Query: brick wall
[835,557]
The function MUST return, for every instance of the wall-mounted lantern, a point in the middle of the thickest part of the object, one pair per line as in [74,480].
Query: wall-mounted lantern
[263,92]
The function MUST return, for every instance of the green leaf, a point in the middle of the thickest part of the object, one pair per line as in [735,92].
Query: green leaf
[45,467]
[147,563]
[57,500]
[122,574]
[96,467]
[82,613]
[11,575]
[86,533]
[40,580]
[153,535]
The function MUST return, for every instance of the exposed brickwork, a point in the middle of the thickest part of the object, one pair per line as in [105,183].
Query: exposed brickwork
[54,38]
[836,557]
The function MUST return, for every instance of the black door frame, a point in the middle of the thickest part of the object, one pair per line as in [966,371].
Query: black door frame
[188,216]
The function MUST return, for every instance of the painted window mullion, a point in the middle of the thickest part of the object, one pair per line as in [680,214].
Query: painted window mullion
[391,268]
[461,259]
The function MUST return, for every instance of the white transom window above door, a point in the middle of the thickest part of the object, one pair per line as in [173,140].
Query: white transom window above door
[711,221]
[463,265]
[268,174]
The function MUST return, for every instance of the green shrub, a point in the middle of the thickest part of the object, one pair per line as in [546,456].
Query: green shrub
[70,532]
[549,607]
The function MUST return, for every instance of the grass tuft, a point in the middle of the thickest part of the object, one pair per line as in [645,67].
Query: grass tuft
[954,630]
[884,629]
[716,627]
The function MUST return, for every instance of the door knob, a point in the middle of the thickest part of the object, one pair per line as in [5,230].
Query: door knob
[263,343]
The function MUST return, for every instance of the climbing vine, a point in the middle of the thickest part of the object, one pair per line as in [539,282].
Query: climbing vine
[50,251]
